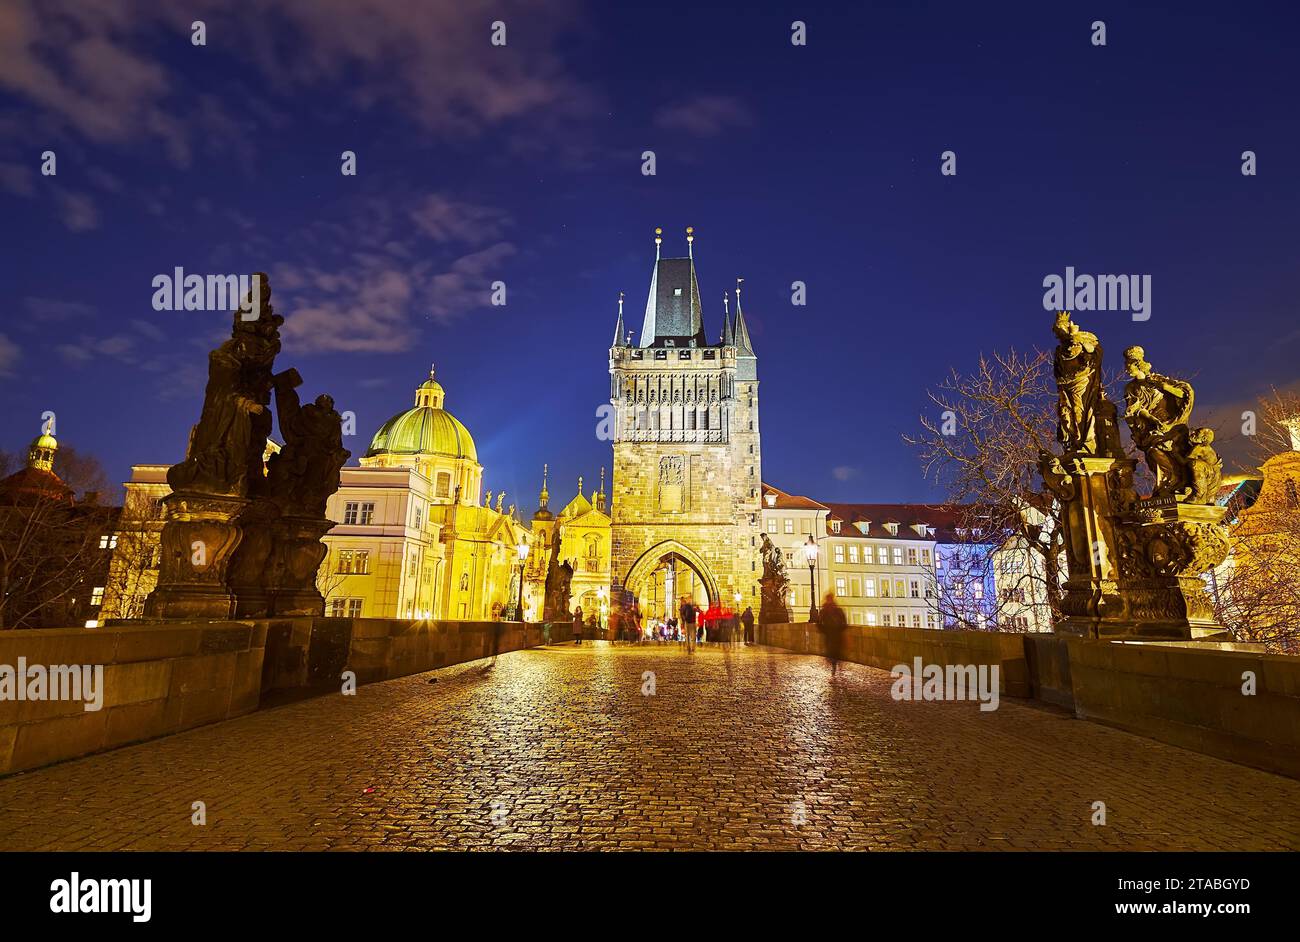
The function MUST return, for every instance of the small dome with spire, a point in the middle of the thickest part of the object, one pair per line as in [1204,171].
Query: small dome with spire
[543,498]
[37,481]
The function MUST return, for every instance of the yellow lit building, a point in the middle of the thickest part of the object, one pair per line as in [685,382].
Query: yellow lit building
[585,542]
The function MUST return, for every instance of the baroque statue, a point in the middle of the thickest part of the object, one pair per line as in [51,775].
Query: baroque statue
[1134,564]
[1157,409]
[775,584]
[1086,421]
[225,450]
[302,476]
[242,535]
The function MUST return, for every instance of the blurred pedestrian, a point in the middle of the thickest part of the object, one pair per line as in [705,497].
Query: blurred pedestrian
[832,625]
[577,625]
[747,618]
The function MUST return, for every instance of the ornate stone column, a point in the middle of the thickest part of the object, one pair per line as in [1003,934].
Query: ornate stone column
[1093,491]
[1165,547]
[296,554]
[198,541]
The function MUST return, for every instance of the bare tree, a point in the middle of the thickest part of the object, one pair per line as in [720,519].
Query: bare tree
[48,549]
[981,444]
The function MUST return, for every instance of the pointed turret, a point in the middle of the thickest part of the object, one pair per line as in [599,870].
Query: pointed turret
[600,495]
[620,332]
[728,338]
[743,346]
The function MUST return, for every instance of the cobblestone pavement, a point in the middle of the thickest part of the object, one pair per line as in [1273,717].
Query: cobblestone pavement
[557,748]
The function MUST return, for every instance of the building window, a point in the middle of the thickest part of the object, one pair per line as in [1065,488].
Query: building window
[978,589]
[929,621]
[840,588]
[916,589]
[885,619]
[839,554]
[925,557]
[853,554]
[350,512]
[419,518]
[868,556]
[835,526]
[916,621]
[884,588]
[871,618]
[354,562]
[771,524]
[97,595]
[898,556]
[354,608]
[442,487]
[884,555]
[870,585]
[789,525]
[367,514]
[898,588]
[108,541]
[911,556]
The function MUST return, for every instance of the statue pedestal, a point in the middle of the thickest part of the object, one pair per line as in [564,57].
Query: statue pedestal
[198,541]
[250,563]
[1166,546]
[1091,604]
[296,554]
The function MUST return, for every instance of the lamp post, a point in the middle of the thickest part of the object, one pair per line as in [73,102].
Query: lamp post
[810,550]
[522,550]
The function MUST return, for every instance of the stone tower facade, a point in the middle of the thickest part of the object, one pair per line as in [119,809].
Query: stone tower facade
[687,461]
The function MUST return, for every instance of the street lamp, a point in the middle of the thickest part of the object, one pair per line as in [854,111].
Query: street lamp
[522,550]
[810,549]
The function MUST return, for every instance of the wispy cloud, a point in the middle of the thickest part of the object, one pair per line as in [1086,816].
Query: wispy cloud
[9,356]
[78,211]
[705,115]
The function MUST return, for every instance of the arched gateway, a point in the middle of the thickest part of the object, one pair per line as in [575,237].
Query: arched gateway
[665,573]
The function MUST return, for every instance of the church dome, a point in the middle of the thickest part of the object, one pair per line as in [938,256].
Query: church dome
[425,429]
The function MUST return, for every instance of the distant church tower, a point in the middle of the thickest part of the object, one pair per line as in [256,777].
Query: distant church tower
[687,467]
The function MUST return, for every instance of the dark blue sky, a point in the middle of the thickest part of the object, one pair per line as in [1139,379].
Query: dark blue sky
[523,164]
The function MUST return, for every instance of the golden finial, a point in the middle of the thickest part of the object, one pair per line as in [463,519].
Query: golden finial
[659,238]
[725,300]
[620,304]
[690,241]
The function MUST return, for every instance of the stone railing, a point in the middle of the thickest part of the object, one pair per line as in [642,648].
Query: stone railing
[164,677]
[1217,699]
[154,681]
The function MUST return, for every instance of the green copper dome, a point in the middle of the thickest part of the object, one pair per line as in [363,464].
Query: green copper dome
[426,429]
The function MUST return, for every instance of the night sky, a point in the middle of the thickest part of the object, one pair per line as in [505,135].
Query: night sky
[523,163]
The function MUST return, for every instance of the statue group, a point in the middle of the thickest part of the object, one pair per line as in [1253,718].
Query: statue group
[243,530]
[775,585]
[1134,563]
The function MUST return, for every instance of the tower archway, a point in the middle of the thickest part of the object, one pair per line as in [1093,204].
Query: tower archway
[664,573]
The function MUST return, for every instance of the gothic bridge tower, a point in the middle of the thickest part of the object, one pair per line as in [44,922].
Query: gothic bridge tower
[687,467]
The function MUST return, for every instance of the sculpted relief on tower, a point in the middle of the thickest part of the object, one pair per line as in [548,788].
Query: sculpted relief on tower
[674,495]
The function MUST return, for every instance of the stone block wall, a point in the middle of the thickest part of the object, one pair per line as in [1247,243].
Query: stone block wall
[156,680]
[1186,693]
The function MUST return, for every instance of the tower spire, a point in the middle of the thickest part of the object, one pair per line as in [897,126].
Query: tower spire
[659,239]
[726,339]
[690,242]
[544,496]
[743,345]
[619,329]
